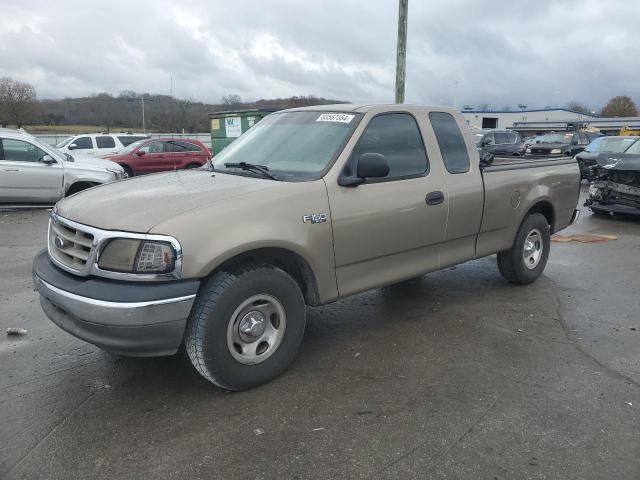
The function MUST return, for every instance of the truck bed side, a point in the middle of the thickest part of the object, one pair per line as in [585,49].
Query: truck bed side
[513,187]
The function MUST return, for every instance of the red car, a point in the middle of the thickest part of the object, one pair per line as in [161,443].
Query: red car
[161,154]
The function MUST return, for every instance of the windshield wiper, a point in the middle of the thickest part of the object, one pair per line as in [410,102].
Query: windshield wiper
[253,168]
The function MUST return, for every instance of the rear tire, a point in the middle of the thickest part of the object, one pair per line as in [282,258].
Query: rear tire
[193,165]
[524,262]
[245,327]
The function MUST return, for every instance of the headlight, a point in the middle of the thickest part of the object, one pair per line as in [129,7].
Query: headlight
[556,150]
[116,173]
[137,256]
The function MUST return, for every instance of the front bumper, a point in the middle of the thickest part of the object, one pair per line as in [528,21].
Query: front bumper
[129,318]
[614,208]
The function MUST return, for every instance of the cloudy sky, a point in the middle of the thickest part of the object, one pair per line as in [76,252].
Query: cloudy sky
[542,52]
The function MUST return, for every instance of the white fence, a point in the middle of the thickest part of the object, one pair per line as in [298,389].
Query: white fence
[55,138]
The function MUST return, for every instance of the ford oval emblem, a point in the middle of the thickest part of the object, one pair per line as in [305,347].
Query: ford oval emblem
[60,242]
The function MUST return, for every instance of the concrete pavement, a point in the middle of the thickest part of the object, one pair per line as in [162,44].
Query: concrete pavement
[454,375]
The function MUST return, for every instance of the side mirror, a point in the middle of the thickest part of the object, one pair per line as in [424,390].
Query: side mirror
[140,153]
[48,159]
[372,165]
[369,165]
[73,146]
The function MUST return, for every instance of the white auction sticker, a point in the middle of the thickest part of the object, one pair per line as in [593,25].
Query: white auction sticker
[335,117]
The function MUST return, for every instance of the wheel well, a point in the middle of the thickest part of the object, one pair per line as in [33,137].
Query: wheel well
[79,186]
[546,209]
[290,262]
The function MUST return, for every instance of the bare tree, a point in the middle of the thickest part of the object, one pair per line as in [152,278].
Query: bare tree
[232,100]
[620,106]
[17,102]
[578,107]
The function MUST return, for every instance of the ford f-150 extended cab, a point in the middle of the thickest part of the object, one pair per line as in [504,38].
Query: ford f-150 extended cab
[309,206]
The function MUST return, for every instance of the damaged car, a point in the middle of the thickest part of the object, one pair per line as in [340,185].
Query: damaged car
[587,158]
[615,183]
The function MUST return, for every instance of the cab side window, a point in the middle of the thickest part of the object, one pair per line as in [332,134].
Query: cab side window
[105,142]
[19,151]
[397,137]
[452,147]
[83,143]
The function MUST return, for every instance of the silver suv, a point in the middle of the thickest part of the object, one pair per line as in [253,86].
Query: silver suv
[32,172]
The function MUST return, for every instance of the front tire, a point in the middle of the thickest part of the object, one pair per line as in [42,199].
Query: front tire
[245,327]
[128,172]
[524,262]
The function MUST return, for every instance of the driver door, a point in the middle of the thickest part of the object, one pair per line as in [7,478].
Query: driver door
[389,229]
[24,178]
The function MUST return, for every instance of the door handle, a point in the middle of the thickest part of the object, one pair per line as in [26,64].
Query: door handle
[11,169]
[435,198]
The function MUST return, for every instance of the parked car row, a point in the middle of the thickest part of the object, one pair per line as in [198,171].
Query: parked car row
[35,173]
[32,172]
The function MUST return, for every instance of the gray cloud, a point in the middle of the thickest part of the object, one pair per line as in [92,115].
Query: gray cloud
[500,52]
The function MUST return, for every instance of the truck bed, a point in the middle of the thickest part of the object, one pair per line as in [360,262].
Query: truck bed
[511,183]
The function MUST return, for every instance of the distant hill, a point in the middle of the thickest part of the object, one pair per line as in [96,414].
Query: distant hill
[162,112]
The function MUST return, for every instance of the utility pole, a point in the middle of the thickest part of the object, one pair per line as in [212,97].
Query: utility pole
[144,130]
[401,57]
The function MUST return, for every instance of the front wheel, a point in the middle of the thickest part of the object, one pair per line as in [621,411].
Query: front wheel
[524,262]
[245,327]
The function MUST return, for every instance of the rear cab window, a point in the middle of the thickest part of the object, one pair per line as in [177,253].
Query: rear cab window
[398,138]
[451,142]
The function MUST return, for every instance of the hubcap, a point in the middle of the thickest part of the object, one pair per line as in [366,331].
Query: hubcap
[256,329]
[533,246]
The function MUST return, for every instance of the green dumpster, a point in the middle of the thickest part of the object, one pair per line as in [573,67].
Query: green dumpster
[229,125]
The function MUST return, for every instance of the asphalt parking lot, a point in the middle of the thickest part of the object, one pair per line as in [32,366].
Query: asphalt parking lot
[454,375]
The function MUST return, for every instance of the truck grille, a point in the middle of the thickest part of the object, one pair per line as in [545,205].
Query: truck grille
[69,246]
[540,151]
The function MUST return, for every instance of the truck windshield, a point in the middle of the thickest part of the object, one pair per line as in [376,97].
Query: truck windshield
[294,146]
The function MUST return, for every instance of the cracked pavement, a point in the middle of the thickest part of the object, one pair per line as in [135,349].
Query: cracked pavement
[454,375]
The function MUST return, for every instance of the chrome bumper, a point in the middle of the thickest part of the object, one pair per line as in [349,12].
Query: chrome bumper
[138,328]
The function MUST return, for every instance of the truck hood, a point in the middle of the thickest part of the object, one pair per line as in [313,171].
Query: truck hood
[140,203]
[619,161]
[551,146]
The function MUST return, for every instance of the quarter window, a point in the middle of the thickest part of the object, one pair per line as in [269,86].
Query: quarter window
[19,151]
[397,137]
[83,143]
[105,142]
[452,147]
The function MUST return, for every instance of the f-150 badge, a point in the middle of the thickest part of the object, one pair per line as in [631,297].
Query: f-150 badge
[314,218]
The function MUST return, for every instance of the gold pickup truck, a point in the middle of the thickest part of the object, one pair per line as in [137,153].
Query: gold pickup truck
[309,206]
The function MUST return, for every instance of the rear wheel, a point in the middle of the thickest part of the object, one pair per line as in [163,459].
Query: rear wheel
[245,327]
[524,262]
[193,165]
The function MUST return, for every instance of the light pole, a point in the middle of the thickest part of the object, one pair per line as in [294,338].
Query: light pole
[401,55]
[144,130]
